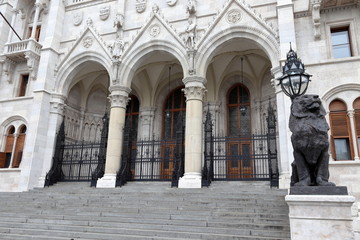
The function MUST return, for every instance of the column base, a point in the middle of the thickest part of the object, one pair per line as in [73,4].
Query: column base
[284,180]
[107,181]
[190,180]
[320,216]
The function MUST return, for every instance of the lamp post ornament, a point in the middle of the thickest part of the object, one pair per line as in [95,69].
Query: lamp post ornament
[308,126]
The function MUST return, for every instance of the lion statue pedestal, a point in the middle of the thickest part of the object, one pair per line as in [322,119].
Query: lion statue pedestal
[310,142]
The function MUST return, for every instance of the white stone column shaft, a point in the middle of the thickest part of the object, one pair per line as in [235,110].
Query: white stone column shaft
[285,149]
[286,23]
[13,20]
[353,134]
[16,135]
[194,93]
[57,107]
[36,19]
[119,98]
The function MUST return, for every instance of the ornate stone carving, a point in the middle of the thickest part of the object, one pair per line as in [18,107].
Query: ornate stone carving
[194,93]
[118,100]
[155,8]
[191,7]
[89,22]
[119,21]
[78,17]
[171,2]
[154,30]
[32,62]
[104,13]
[8,68]
[140,5]
[117,48]
[233,16]
[316,18]
[190,34]
[88,41]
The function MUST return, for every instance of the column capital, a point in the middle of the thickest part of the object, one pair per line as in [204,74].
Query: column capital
[194,81]
[118,100]
[194,93]
[350,113]
[147,114]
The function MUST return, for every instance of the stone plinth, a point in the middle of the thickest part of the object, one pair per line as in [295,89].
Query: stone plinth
[318,217]
[107,181]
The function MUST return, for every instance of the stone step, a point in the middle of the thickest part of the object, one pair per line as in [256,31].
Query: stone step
[229,210]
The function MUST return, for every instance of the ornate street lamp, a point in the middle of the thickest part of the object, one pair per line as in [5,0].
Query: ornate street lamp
[294,81]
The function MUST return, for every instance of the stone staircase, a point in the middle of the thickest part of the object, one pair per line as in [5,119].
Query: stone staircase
[146,210]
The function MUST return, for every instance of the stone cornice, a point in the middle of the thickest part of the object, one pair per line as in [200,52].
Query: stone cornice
[194,81]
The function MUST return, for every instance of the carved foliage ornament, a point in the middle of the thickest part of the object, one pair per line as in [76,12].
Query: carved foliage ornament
[88,41]
[233,16]
[154,30]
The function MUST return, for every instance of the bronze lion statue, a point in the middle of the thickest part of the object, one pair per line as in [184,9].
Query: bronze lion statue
[310,142]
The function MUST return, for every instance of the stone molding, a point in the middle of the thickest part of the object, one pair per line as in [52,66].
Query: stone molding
[194,93]
[194,81]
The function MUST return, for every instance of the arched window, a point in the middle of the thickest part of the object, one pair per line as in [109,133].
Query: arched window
[173,107]
[356,106]
[5,157]
[340,131]
[239,112]
[19,147]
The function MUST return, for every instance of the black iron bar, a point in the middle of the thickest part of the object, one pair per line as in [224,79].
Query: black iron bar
[10,26]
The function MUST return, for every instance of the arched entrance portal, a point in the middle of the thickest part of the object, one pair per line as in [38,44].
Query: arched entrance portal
[81,141]
[239,96]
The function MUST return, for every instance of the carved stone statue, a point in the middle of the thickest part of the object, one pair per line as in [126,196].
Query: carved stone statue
[117,48]
[190,35]
[191,7]
[310,142]
[119,21]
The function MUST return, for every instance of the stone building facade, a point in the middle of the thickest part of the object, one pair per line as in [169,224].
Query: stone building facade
[75,60]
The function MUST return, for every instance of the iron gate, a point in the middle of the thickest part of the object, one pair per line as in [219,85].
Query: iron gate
[79,161]
[153,159]
[242,158]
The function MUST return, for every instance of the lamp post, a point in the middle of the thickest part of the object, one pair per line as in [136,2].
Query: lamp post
[294,81]
[308,126]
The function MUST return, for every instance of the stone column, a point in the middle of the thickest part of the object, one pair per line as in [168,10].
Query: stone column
[16,135]
[36,18]
[351,113]
[285,149]
[119,98]
[194,93]
[286,23]
[13,21]
[57,108]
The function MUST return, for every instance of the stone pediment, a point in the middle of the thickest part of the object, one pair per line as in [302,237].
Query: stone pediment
[236,13]
[155,28]
[88,41]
